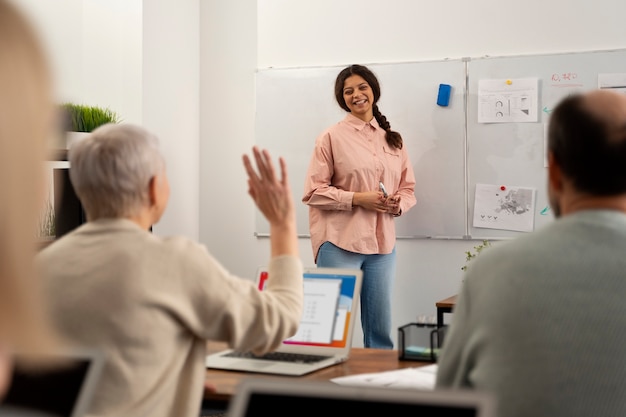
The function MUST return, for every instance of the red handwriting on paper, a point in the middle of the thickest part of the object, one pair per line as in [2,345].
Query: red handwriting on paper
[564,77]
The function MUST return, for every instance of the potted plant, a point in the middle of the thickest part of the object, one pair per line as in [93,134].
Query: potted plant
[84,119]
[77,121]
[469,255]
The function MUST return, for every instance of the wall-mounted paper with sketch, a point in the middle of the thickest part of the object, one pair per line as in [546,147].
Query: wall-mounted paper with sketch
[613,81]
[504,207]
[508,100]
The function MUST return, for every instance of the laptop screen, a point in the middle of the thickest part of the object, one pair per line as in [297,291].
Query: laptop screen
[255,396]
[260,404]
[63,387]
[329,303]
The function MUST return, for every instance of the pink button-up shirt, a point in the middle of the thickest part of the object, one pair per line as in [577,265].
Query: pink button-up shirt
[353,156]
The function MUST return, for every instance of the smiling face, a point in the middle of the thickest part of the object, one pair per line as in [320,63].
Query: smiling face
[359,97]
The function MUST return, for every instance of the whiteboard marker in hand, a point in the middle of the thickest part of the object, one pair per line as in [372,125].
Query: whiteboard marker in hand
[382,188]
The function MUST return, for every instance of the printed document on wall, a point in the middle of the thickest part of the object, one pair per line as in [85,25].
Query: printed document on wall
[504,207]
[615,82]
[508,100]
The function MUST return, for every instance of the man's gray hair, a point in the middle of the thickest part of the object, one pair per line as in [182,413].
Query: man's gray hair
[111,170]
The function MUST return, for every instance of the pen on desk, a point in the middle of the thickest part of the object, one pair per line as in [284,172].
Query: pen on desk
[382,188]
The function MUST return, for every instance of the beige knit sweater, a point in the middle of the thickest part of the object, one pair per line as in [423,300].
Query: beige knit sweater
[151,303]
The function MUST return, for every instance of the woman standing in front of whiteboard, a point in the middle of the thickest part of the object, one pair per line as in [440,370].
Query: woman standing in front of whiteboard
[351,215]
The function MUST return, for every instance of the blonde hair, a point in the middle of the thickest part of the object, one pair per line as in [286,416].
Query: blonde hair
[26,116]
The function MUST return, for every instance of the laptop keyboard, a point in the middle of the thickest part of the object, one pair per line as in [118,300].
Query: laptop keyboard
[280,356]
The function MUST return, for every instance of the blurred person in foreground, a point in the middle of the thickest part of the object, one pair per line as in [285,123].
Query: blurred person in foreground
[151,303]
[540,320]
[26,121]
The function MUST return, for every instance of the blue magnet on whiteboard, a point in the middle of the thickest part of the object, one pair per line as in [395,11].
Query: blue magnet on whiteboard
[443,98]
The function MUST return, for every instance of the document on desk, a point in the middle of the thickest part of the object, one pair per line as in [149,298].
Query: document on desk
[422,377]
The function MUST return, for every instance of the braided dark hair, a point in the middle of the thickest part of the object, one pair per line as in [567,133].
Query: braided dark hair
[394,139]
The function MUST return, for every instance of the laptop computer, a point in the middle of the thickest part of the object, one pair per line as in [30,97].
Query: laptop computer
[63,387]
[259,397]
[324,336]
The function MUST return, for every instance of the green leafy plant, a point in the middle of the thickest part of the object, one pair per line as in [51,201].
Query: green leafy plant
[82,118]
[469,255]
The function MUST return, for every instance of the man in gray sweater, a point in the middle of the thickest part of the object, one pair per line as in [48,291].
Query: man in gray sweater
[540,321]
[150,303]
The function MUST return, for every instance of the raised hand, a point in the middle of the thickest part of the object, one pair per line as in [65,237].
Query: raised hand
[271,194]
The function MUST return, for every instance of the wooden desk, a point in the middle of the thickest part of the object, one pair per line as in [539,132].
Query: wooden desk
[361,361]
[444,306]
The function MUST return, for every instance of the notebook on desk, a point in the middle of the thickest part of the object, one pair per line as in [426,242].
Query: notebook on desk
[324,336]
[285,398]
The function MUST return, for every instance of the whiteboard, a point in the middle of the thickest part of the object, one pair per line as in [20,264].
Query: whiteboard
[512,154]
[450,151]
[294,106]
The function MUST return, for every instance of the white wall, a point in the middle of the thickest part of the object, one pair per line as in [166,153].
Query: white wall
[171,104]
[227,64]
[330,32]
[95,51]
[142,60]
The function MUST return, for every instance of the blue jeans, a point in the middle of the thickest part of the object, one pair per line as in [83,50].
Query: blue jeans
[378,275]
